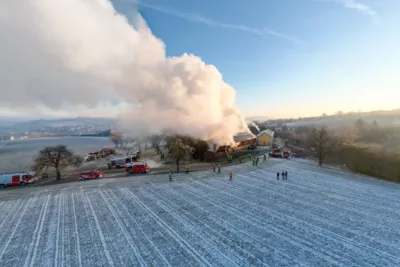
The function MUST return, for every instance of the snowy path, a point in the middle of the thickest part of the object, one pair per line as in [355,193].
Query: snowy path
[318,217]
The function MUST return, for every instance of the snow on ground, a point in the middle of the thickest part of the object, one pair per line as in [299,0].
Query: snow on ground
[318,217]
[152,163]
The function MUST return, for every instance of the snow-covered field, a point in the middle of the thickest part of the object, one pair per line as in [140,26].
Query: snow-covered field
[318,217]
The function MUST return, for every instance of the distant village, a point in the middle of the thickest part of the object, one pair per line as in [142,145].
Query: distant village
[76,130]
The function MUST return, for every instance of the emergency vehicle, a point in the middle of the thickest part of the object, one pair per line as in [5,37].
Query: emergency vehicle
[94,174]
[13,179]
[136,167]
[280,153]
[120,162]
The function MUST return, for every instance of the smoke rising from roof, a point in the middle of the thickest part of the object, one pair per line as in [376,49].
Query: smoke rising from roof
[71,54]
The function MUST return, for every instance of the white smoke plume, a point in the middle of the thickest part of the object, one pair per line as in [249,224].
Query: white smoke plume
[65,55]
[252,123]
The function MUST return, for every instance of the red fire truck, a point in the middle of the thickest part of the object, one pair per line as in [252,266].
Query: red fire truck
[136,167]
[280,153]
[120,162]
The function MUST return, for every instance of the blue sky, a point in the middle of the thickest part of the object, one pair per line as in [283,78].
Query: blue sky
[289,58]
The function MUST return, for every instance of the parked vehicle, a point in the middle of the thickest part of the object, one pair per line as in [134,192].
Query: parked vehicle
[136,167]
[136,153]
[89,157]
[280,153]
[119,162]
[94,174]
[13,179]
[107,151]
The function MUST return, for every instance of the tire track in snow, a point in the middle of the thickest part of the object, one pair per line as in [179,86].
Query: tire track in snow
[303,220]
[340,187]
[10,207]
[212,248]
[75,226]
[11,215]
[316,184]
[352,241]
[268,222]
[177,237]
[157,236]
[137,232]
[37,235]
[14,228]
[258,229]
[58,262]
[356,213]
[24,234]
[325,210]
[348,182]
[124,231]
[225,237]
[114,238]
[286,235]
[100,232]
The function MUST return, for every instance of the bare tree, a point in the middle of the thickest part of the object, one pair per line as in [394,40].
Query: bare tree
[179,150]
[117,138]
[125,141]
[156,141]
[322,142]
[57,157]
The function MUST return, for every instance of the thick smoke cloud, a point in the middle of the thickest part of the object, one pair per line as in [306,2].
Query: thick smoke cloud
[82,53]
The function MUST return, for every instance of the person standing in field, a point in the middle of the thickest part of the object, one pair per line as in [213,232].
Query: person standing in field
[277,176]
[285,175]
[219,168]
[230,176]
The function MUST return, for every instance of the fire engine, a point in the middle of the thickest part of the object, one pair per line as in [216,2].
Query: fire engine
[136,167]
[280,153]
[120,162]
[13,179]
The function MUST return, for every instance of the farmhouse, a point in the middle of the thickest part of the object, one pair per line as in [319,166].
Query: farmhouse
[265,137]
[243,141]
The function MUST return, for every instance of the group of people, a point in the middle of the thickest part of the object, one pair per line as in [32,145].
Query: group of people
[219,168]
[256,159]
[284,175]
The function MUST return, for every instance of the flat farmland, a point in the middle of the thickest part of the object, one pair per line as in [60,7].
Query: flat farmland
[318,217]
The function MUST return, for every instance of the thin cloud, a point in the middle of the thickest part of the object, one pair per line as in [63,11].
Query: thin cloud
[362,8]
[217,24]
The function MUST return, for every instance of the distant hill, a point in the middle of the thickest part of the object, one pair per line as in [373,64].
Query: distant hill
[257,118]
[16,125]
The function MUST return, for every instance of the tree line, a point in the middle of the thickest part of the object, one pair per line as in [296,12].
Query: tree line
[362,147]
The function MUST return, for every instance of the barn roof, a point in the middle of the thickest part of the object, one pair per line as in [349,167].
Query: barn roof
[243,137]
[267,131]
